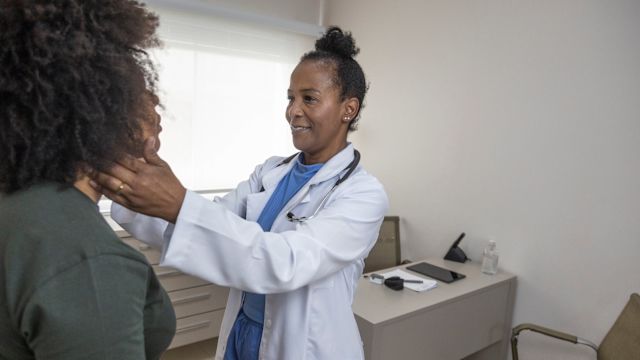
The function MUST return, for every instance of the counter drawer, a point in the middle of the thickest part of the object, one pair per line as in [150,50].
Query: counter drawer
[152,254]
[172,279]
[197,328]
[198,300]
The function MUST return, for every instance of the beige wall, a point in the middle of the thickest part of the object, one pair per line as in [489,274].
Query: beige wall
[517,120]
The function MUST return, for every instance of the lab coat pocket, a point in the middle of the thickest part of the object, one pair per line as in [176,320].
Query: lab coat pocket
[255,203]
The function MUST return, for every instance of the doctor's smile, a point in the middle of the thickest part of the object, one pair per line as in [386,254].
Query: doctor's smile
[299,128]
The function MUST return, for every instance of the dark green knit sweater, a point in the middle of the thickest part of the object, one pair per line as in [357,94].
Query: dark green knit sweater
[69,288]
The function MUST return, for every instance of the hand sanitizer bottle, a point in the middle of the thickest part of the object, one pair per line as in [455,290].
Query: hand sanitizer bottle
[490,259]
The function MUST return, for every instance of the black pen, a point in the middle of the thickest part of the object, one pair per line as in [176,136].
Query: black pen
[380,278]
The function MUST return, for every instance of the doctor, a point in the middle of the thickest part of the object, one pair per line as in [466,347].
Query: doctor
[291,240]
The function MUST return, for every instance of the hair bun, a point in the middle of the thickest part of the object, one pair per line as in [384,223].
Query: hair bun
[337,42]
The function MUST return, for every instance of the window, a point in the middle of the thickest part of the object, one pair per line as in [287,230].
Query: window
[224,87]
[223,84]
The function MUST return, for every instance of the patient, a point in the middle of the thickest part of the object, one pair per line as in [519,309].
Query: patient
[76,93]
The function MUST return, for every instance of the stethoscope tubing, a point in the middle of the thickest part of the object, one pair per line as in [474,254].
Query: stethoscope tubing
[350,168]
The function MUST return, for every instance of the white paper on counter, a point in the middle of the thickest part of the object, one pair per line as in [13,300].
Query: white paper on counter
[427,284]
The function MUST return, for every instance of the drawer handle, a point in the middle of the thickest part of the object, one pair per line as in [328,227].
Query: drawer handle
[193,327]
[168,273]
[192,298]
[144,247]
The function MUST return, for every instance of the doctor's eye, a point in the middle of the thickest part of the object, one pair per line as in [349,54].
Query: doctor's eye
[310,99]
[289,98]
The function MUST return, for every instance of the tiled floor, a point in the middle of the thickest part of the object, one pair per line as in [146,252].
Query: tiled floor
[204,350]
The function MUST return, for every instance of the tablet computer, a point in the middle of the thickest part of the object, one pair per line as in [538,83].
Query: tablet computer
[436,272]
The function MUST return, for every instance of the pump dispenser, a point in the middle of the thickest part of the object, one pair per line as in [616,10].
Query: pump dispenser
[490,259]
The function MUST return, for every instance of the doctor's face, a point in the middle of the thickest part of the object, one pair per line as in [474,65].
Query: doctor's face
[315,112]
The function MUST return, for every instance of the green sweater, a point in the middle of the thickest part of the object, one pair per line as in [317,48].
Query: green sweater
[69,288]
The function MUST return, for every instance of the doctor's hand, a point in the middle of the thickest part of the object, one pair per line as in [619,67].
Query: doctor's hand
[146,186]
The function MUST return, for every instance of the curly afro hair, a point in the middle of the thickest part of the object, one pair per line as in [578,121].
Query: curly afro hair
[73,74]
[338,48]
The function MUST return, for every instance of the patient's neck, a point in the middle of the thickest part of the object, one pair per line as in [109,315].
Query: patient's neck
[82,184]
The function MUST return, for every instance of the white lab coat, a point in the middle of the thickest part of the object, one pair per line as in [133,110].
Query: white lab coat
[309,271]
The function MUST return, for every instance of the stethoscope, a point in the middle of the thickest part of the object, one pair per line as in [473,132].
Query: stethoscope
[352,166]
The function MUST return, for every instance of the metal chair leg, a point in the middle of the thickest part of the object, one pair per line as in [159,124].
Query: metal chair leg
[548,332]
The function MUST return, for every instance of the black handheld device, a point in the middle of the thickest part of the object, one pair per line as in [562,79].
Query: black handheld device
[436,272]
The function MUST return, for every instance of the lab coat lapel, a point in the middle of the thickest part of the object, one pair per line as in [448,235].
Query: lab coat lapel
[316,187]
[334,166]
[270,179]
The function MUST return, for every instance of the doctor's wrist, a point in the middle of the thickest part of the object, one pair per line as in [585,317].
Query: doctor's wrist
[174,210]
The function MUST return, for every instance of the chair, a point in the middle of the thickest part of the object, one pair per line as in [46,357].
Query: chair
[622,342]
[386,251]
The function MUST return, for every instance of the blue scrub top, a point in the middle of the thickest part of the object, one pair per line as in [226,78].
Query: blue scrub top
[290,184]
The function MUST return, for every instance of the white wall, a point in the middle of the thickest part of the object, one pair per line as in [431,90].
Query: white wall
[517,120]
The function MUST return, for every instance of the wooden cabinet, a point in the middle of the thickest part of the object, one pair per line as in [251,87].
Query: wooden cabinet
[198,305]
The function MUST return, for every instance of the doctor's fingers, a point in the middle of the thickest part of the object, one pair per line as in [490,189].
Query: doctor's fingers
[105,182]
[118,174]
[149,164]
[131,163]
[118,196]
